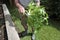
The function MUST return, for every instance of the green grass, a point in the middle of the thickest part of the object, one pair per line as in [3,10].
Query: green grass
[50,32]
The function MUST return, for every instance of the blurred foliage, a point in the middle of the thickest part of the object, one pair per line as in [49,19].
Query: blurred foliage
[37,16]
[52,7]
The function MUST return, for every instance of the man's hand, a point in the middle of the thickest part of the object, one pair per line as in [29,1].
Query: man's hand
[21,9]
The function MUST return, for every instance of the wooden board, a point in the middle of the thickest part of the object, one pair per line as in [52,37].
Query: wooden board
[11,32]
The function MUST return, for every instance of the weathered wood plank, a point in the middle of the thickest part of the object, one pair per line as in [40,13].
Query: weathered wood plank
[11,32]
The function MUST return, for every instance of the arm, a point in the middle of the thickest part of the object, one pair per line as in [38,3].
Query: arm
[20,7]
[17,3]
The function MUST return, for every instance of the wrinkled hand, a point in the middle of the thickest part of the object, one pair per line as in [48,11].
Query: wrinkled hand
[21,9]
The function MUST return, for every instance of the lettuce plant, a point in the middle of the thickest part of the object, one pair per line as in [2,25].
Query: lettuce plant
[37,16]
